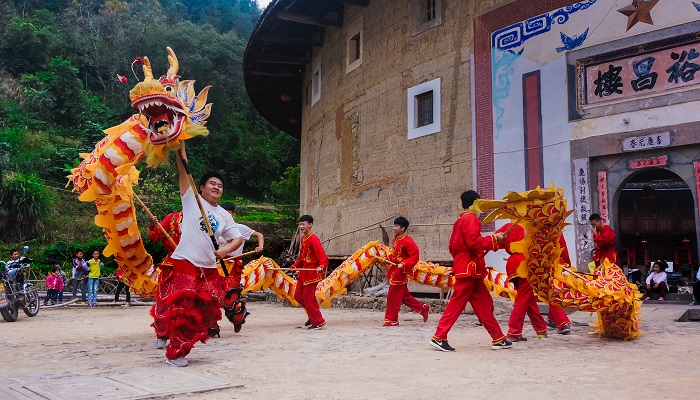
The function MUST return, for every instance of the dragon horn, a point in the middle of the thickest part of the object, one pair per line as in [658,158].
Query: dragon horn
[172,60]
[147,72]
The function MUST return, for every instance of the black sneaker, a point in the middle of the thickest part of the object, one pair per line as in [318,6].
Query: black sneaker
[565,330]
[315,327]
[307,323]
[213,332]
[441,345]
[519,339]
[551,324]
[503,344]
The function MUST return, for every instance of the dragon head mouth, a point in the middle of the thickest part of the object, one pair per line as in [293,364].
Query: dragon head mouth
[165,115]
[170,111]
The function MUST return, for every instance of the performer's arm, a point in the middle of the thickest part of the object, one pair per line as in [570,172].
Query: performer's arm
[261,241]
[476,242]
[608,237]
[153,232]
[413,255]
[319,253]
[182,174]
[229,247]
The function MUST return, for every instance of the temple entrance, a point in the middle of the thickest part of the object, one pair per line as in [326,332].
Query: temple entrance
[656,212]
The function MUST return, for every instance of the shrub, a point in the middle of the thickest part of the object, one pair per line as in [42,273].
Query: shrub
[28,201]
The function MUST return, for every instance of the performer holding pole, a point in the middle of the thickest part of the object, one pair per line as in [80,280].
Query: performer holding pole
[311,256]
[467,247]
[194,287]
[404,256]
[525,301]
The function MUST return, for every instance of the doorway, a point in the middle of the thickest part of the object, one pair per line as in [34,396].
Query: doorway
[656,214]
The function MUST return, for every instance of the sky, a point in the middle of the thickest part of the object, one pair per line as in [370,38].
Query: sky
[264,3]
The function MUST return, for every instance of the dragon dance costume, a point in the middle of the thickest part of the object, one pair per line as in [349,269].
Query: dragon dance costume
[404,251]
[171,223]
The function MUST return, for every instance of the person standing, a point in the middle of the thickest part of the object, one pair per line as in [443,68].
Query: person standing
[405,255]
[80,272]
[604,241]
[194,288]
[467,248]
[121,286]
[312,263]
[53,282]
[525,301]
[236,266]
[96,266]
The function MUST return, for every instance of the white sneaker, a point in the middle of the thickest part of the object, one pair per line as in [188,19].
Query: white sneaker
[178,362]
[160,343]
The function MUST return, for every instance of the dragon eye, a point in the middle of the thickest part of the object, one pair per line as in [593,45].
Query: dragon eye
[168,89]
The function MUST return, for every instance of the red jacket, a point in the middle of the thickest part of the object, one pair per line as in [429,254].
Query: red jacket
[565,251]
[404,251]
[514,235]
[311,256]
[604,245]
[171,223]
[467,247]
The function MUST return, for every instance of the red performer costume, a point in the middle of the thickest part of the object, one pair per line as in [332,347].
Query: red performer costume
[467,247]
[312,263]
[604,240]
[192,289]
[405,255]
[525,301]
[557,315]
[171,224]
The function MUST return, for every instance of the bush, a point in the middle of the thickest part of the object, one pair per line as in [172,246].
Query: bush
[28,203]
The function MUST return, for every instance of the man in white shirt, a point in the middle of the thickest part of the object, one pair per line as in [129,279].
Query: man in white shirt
[192,287]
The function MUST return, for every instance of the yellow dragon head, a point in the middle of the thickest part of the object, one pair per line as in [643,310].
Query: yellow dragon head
[169,109]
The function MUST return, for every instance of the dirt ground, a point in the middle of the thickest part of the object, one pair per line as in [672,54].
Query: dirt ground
[354,357]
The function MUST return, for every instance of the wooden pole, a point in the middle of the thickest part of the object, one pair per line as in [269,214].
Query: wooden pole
[148,212]
[239,256]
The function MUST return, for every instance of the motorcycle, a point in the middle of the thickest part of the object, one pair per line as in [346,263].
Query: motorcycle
[15,292]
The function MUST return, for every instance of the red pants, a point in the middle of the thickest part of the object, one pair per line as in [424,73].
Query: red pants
[187,305]
[474,291]
[399,294]
[525,303]
[305,295]
[558,316]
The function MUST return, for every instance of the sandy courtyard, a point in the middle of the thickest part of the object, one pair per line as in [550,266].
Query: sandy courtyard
[354,357]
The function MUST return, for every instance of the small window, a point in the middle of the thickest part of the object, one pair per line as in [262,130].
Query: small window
[353,39]
[429,10]
[426,14]
[424,104]
[423,109]
[316,81]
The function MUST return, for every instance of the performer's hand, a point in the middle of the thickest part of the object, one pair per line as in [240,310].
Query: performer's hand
[399,265]
[500,236]
[258,249]
[319,269]
[153,220]
[220,254]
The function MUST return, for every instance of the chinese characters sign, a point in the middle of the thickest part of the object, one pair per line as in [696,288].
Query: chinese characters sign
[645,74]
[636,143]
[649,162]
[603,194]
[582,192]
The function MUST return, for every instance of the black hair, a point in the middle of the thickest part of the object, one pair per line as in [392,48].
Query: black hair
[306,218]
[402,222]
[468,198]
[14,251]
[208,175]
[594,217]
[229,207]
[78,251]
[662,265]
[55,268]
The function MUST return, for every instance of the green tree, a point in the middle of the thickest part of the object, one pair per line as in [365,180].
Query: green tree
[28,203]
